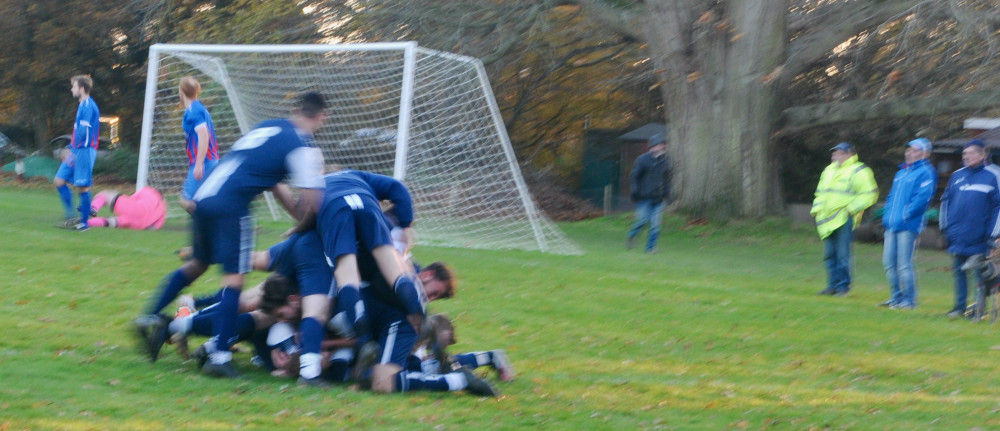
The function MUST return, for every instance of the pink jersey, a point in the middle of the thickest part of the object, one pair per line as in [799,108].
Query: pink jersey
[144,209]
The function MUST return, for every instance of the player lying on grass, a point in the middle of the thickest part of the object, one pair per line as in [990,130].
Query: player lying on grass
[380,368]
[144,209]
[430,355]
[261,307]
[299,259]
[385,352]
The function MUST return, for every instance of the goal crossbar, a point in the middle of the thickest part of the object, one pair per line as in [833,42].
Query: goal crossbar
[426,117]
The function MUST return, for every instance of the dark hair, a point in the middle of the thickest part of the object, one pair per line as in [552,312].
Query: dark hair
[277,288]
[429,338]
[311,104]
[442,273]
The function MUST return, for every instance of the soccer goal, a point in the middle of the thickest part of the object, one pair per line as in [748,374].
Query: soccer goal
[425,117]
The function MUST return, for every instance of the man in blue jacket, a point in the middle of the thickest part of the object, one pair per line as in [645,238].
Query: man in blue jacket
[904,218]
[969,214]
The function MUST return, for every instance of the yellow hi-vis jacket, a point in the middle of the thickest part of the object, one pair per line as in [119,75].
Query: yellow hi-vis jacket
[843,191]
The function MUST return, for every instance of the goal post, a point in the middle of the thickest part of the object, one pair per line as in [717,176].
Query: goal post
[426,117]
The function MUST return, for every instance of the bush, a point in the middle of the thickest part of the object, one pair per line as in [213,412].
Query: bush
[120,163]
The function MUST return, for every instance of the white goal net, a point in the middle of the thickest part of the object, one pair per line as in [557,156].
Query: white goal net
[423,116]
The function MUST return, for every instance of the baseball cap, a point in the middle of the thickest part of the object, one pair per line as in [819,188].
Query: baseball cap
[975,143]
[843,146]
[656,139]
[922,144]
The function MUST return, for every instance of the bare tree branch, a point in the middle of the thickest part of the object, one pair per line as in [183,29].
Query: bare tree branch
[817,32]
[623,21]
[513,37]
[806,116]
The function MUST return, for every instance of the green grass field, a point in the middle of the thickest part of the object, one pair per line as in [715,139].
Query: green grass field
[720,330]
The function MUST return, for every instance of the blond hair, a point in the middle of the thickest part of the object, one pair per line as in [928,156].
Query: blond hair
[190,87]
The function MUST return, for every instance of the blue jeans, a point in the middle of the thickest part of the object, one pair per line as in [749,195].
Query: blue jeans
[897,259]
[837,257]
[962,281]
[647,212]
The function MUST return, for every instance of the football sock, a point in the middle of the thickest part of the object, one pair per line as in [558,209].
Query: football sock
[169,288]
[410,381]
[66,197]
[261,349]
[339,365]
[474,359]
[207,300]
[201,322]
[413,297]
[220,357]
[281,336]
[182,325]
[97,222]
[224,326]
[349,302]
[312,336]
[245,326]
[84,207]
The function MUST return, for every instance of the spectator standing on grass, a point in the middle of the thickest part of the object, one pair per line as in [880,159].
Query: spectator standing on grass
[199,136]
[904,218]
[846,189]
[969,218]
[650,185]
[77,167]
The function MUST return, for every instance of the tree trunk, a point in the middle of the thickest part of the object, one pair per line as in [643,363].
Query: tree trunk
[716,61]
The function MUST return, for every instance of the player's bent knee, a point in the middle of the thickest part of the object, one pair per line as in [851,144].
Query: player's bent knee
[193,268]
[384,378]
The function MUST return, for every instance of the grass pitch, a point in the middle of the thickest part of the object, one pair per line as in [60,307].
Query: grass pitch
[720,330]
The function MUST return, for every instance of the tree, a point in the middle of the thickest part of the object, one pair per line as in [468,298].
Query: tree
[554,70]
[44,47]
[729,68]
[735,76]
[51,40]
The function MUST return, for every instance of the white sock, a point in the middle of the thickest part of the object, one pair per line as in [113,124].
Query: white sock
[456,381]
[180,325]
[483,358]
[309,366]
[219,358]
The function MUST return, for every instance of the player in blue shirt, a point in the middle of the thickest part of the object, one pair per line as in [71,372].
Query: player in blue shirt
[223,229]
[351,217]
[77,167]
[199,135]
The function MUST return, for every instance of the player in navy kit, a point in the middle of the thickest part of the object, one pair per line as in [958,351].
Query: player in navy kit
[199,135]
[349,217]
[77,167]
[223,229]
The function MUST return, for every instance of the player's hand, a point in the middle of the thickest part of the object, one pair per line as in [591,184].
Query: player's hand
[199,170]
[291,231]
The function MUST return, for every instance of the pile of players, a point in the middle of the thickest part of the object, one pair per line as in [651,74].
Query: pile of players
[348,303]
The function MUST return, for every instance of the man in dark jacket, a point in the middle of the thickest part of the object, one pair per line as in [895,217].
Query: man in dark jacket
[970,214]
[650,180]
